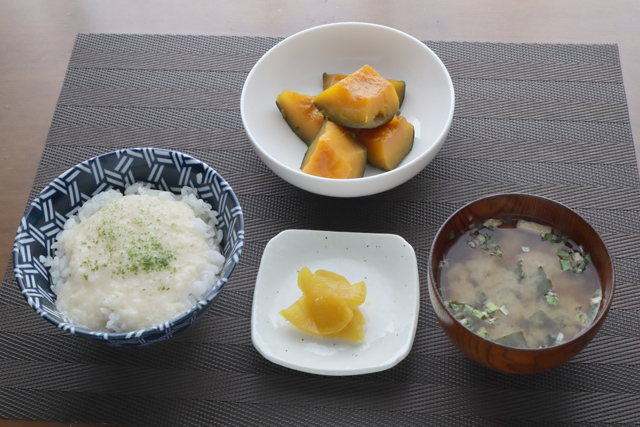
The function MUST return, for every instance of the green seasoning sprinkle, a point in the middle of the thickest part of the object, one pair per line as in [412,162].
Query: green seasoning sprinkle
[452,235]
[483,332]
[466,323]
[150,257]
[86,276]
[468,309]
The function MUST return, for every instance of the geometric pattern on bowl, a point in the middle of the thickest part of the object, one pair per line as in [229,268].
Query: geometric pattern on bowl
[165,170]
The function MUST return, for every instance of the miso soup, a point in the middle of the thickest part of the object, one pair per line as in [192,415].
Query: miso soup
[519,283]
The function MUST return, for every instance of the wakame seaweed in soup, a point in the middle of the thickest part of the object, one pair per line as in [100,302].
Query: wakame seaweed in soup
[520,284]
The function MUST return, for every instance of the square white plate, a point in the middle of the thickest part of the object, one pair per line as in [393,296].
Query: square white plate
[387,264]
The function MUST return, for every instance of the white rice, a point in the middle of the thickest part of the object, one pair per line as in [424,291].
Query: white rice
[133,261]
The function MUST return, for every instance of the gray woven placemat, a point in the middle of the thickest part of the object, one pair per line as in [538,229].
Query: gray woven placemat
[545,119]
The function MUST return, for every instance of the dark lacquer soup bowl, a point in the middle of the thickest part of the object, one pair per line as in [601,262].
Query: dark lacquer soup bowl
[580,251]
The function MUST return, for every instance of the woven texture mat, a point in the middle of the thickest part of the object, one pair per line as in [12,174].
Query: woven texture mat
[545,119]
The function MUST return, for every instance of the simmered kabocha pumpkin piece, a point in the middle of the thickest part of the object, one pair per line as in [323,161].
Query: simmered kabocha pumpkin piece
[389,144]
[329,80]
[401,87]
[300,113]
[353,331]
[361,100]
[329,312]
[353,295]
[334,153]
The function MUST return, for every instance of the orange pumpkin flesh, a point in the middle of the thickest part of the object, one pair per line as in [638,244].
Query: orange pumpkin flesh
[401,87]
[334,153]
[361,100]
[389,144]
[329,80]
[301,114]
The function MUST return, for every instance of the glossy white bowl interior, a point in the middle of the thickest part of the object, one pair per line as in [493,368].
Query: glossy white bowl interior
[297,64]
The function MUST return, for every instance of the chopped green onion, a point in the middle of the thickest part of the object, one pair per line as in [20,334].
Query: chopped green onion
[491,307]
[486,243]
[566,265]
[581,316]
[479,314]
[483,332]
[553,238]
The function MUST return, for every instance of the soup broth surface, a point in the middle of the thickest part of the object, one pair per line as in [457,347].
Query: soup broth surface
[520,284]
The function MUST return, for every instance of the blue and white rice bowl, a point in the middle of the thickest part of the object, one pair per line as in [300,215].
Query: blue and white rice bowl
[163,169]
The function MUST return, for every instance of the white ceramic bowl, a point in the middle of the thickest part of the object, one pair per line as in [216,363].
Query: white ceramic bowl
[388,266]
[297,64]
